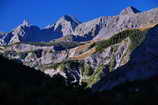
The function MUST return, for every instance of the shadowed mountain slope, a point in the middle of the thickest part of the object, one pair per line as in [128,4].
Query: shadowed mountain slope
[21,85]
[142,64]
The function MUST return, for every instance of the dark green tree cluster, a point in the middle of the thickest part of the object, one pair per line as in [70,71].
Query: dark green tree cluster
[134,34]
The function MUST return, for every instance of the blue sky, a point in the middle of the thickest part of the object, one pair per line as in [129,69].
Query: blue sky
[44,12]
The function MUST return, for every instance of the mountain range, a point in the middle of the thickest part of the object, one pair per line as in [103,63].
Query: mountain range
[102,27]
[102,53]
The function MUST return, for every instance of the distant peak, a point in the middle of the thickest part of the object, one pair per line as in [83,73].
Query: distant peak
[129,10]
[67,16]
[25,23]
[70,18]
[63,19]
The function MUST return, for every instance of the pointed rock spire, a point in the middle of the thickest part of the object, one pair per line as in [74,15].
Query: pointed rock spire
[129,10]
[25,23]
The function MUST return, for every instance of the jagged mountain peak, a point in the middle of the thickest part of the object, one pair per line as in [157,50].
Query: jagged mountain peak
[62,20]
[25,23]
[65,25]
[129,10]
[22,26]
[70,18]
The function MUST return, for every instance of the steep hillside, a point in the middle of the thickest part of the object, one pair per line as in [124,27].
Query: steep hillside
[142,63]
[83,62]
[21,85]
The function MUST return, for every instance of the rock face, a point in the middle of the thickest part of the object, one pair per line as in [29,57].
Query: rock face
[102,53]
[127,21]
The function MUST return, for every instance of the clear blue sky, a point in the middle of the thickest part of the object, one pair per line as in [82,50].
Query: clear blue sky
[44,12]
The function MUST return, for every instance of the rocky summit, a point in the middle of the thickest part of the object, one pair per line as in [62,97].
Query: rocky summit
[102,53]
